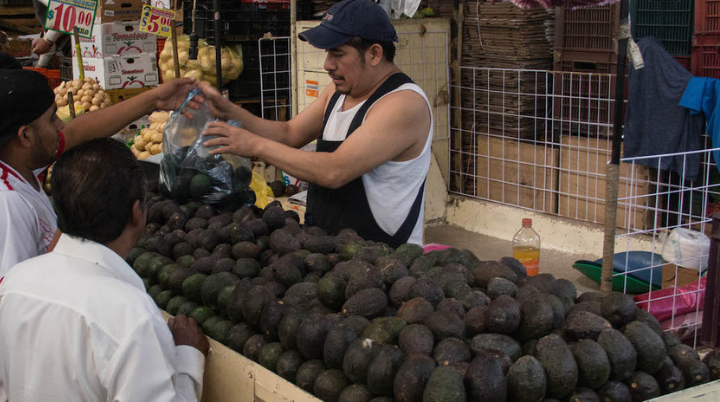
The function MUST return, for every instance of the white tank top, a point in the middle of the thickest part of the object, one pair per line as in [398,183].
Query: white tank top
[391,188]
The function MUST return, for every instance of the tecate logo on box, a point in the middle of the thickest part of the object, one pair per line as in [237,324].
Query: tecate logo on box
[117,38]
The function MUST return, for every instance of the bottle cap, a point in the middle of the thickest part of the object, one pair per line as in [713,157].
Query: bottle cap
[527,222]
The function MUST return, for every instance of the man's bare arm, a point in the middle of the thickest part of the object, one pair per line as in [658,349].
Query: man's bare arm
[395,129]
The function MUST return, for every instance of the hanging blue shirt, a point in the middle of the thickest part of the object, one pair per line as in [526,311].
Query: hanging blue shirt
[701,96]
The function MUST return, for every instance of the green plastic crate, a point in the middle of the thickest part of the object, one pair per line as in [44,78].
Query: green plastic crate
[671,21]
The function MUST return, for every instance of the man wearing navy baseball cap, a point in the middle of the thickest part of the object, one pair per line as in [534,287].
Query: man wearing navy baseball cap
[372,124]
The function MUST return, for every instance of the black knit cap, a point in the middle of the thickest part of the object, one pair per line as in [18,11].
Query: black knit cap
[24,96]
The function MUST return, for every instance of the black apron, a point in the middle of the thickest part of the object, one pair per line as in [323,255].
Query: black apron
[347,206]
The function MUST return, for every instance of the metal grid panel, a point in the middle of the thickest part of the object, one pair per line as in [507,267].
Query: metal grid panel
[539,140]
[678,202]
[275,83]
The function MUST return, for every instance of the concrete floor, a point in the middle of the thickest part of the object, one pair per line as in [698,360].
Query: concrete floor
[490,248]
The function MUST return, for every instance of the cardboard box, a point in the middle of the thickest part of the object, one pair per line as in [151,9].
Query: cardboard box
[122,71]
[515,172]
[119,10]
[20,47]
[119,95]
[164,4]
[116,38]
[684,275]
[583,168]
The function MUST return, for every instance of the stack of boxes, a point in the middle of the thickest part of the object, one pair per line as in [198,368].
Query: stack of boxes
[118,55]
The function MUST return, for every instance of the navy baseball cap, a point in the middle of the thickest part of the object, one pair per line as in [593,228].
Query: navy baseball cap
[349,19]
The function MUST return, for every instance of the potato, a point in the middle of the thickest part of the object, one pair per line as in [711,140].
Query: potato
[197,74]
[168,74]
[94,108]
[80,93]
[140,143]
[90,81]
[62,102]
[156,137]
[183,57]
[77,104]
[90,93]
[96,101]
[161,127]
[153,125]
[144,155]
[96,87]
[87,85]
[86,105]
[156,149]
[73,90]
[104,105]
[146,135]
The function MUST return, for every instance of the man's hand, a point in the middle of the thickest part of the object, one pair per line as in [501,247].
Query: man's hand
[231,139]
[171,94]
[220,107]
[41,46]
[186,331]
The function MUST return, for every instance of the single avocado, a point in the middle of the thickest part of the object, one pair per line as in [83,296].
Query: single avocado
[536,320]
[372,253]
[648,319]
[283,243]
[175,303]
[428,289]
[614,391]
[584,325]
[214,284]
[526,380]
[187,308]
[331,292]
[590,297]
[205,265]
[545,283]
[681,352]
[320,244]
[134,253]
[475,321]
[486,270]
[238,336]
[670,340]
[202,314]
[712,360]
[274,217]
[358,357]
[502,343]
[234,304]
[503,315]
[642,386]
[300,294]
[620,353]
[205,212]
[400,291]
[618,308]
[252,347]
[318,264]
[694,372]
[566,291]
[308,373]
[473,299]
[223,250]
[582,394]
[591,307]
[278,188]
[181,250]
[593,364]
[241,234]
[311,336]
[365,278]
[270,319]
[142,263]
[452,306]
[445,385]
[192,287]
[669,377]
[411,378]
[291,190]
[382,370]
[270,355]
[416,339]
[223,265]
[499,287]
[392,269]
[163,298]
[330,384]
[560,367]
[174,277]
[451,351]
[649,346]
[527,292]
[253,304]
[384,330]
[220,331]
[347,251]
[420,267]
[246,268]
[154,290]
[224,299]
[336,344]
[445,326]
[485,379]
[195,223]
[289,364]
[200,186]
[369,303]
[257,227]
[355,393]
[208,240]
[287,332]
[415,311]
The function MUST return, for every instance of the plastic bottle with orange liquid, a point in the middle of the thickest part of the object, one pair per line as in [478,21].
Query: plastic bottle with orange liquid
[526,247]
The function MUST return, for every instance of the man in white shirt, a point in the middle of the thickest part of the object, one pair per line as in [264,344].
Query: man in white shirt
[32,136]
[76,324]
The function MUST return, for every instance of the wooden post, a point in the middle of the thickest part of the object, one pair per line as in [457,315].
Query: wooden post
[173,41]
[71,104]
[78,51]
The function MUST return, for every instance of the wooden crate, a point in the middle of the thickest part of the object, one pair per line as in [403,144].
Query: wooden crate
[515,172]
[583,166]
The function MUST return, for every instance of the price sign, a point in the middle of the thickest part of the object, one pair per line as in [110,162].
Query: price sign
[64,15]
[156,21]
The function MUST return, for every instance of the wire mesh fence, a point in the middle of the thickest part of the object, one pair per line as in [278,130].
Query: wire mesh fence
[675,257]
[539,140]
[275,73]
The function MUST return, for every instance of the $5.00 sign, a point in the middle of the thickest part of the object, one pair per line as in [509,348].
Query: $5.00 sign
[156,21]
[64,15]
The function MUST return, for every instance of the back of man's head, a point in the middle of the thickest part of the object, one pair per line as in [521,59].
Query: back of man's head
[94,186]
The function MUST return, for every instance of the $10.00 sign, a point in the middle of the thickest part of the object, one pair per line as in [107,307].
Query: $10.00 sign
[156,21]
[64,15]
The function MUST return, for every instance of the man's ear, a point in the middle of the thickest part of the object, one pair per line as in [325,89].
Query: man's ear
[138,216]
[26,136]
[376,54]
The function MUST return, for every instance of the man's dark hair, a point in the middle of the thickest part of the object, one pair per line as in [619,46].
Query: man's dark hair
[94,186]
[361,45]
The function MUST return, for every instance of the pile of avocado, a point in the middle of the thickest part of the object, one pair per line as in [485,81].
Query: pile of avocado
[352,320]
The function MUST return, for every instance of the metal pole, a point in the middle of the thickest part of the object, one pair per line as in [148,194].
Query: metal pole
[613,169]
[218,43]
[710,330]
